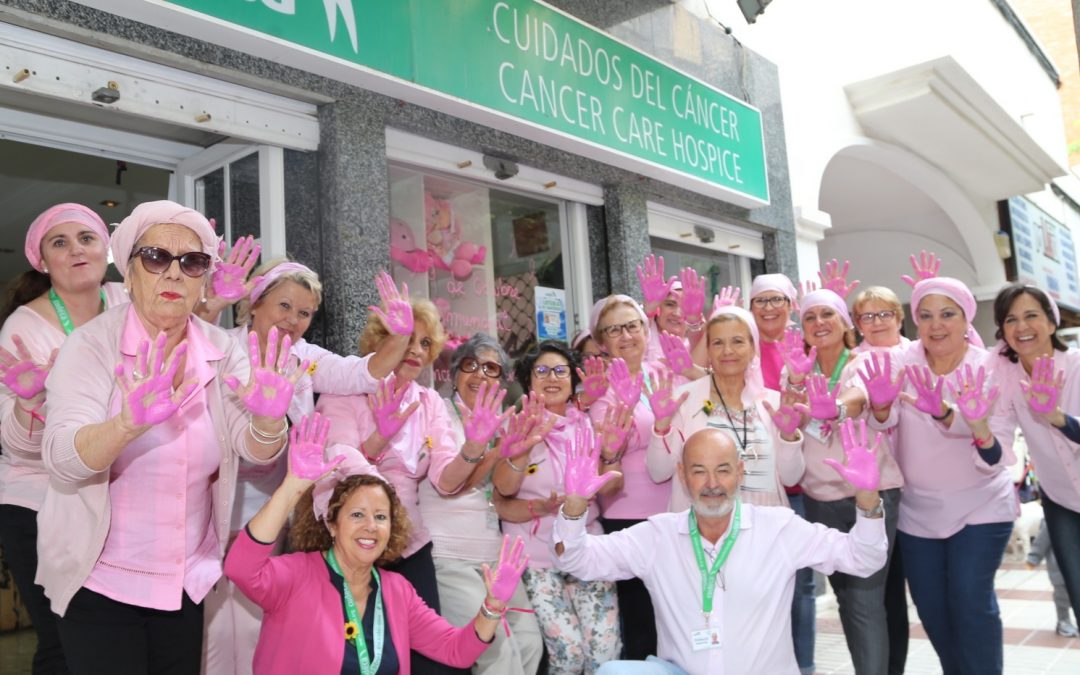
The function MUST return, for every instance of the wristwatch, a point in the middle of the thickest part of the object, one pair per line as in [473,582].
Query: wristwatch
[876,512]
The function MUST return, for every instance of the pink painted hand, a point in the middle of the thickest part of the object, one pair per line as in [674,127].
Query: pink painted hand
[822,402]
[386,407]
[616,426]
[526,427]
[307,442]
[928,397]
[806,288]
[512,563]
[486,417]
[398,314]
[926,266]
[229,275]
[663,402]
[270,387]
[692,301]
[835,278]
[149,396]
[793,351]
[729,296]
[627,389]
[877,377]
[786,418]
[594,383]
[654,288]
[676,355]
[970,394]
[1044,389]
[21,374]
[860,468]
[580,475]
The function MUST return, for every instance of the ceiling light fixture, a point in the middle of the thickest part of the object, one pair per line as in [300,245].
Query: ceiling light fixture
[111,203]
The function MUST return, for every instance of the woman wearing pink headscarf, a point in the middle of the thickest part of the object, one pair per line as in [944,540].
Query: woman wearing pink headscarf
[141,444]
[959,504]
[67,248]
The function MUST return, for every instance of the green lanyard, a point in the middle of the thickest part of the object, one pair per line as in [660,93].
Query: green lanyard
[367,667]
[61,310]
[708,576]
[835,377]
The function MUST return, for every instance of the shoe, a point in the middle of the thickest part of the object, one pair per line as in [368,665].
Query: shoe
[1066,629]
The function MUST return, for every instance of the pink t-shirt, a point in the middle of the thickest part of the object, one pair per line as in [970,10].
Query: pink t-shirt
[772,364]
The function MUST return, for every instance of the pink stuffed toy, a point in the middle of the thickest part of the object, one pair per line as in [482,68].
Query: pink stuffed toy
[447,250]
[403,248]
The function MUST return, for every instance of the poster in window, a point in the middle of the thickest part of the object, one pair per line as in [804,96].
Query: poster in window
[531,234]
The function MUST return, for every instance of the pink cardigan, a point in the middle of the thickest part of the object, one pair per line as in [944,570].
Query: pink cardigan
[303,623]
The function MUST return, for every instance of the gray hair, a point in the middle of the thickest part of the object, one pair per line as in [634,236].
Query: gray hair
[479,342]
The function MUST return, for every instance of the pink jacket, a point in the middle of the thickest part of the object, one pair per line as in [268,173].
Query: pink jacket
[74,520]
[303,627]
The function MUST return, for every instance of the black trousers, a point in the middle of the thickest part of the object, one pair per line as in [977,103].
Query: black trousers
[104,637]
[18,537]
[635,607]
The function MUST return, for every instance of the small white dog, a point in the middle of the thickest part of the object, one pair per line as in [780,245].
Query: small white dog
[1025,529]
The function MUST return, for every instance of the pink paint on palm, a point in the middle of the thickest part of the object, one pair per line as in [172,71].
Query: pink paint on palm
[150,397]
[19,372]
[486,417]
[927,266]
[654,288]
[798,361]
[970,393]
[663,404]
[580,475]
[835,278]
[270,390]
[230,274]
[512,563]
[729,296]
[928,396]
[398,315]
[860,468]
[786,418]
[878,380]
[594,382]
[526,428]
[822,402]
[626,388]
[675,353]
[616,426]
[386,407]
[1044,389]
[307,441]
[692,301]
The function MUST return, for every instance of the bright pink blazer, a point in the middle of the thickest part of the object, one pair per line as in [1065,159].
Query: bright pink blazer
[303,627]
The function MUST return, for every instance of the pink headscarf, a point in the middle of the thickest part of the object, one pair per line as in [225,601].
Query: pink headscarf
[145,215]
[755,381]
[775,282]
[353,465]
[67,212]
[1053,304]
[823,297]
[955,290]
[273,274]
[601,305]
[580,339]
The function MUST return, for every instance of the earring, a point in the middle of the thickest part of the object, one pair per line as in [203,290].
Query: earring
[44,270]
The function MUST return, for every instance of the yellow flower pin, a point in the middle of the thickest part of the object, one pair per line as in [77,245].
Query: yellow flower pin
[351,630]
[532,468]
[708,407]
[312,368]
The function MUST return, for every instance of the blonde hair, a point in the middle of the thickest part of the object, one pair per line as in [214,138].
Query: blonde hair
[308,280]
[424,311]
[611,305]
[881,294]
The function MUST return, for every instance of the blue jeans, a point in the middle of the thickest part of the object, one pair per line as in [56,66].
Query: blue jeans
[952,583]
[1064,527]
[803,605]
[650,666]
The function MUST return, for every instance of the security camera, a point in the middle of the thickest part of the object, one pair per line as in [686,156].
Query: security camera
[502,168]
[704,234]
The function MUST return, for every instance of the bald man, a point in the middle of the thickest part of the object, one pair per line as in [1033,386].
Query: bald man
[743,556]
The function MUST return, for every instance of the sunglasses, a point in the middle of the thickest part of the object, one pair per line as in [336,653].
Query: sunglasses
[489,368]
[156,260]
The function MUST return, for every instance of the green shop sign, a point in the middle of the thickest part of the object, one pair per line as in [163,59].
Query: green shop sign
[533,63]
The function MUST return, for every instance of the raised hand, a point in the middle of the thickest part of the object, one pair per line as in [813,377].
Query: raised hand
[928,396]
[969,393]
[386,407]
[692,301]
[486,416]
[512,563]
[835,278]
[149,396]
[676,355]
[877,377]
[729,296]
[307,441]
[654,288]
[230,274]
[270,388]
[806,288]
[786,418]
[797,360]
[580,477]
[398,314]
[627,389]
[618,421]
[1044,389]
[526,428]
[860,467]
[662,401]
[594,382]
[20,373]
[926,266]
[822,402]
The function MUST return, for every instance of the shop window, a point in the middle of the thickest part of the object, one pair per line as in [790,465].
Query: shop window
[718,269]
[480,254]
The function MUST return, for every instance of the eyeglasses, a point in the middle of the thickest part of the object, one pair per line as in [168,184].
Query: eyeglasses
[560,372]
[869,317]
[156,260]
[774,300]
[615,330]
[489,368]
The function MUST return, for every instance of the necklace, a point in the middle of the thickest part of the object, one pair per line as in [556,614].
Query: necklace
[745,427]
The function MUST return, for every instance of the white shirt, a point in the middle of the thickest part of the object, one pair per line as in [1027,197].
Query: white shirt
[752,610]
